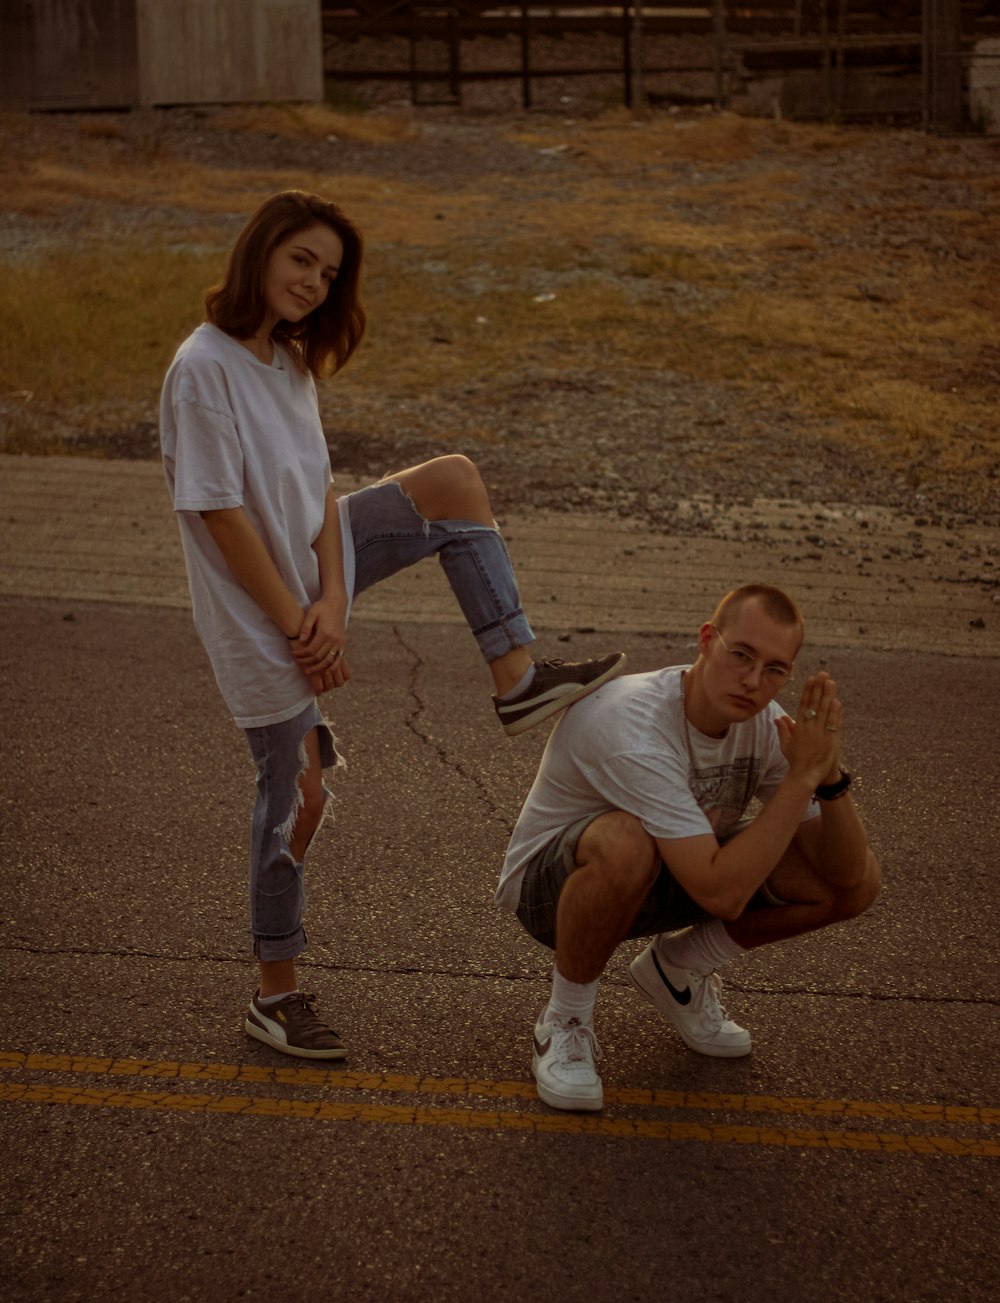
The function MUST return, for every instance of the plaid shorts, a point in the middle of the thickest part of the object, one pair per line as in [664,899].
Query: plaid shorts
[667,908]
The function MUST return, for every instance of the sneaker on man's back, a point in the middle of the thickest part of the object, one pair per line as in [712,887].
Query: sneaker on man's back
[691,1001]
[563,1064]
[293,1026]
[556,685]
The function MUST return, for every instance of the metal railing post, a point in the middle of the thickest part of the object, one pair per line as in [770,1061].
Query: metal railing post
[525,57]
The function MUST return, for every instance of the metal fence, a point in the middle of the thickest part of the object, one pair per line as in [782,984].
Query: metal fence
[840,59]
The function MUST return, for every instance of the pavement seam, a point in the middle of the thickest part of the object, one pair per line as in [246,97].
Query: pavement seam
[493,975]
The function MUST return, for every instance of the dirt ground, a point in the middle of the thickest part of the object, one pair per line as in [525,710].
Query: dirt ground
[723,238]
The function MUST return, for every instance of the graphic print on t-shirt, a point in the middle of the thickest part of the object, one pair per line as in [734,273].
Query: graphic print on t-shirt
[723,792]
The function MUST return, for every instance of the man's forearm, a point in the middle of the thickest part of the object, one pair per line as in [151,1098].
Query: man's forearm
[722,879]
[744,862]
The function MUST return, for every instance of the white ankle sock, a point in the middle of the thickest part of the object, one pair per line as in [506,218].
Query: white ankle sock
[571,999]
[265,1001]
[522,685]
[700,948]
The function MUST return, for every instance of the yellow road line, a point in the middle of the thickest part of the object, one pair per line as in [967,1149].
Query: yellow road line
[344,1079]
[478,1120]
[467,1088]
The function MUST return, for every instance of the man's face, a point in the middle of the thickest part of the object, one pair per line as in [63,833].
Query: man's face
[746,662]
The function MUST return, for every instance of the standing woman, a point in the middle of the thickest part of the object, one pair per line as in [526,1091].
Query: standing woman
[274,559]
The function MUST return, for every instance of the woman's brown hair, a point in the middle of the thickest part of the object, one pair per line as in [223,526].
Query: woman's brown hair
[321,342]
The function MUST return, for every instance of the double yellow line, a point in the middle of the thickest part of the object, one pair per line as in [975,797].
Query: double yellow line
[469,1115]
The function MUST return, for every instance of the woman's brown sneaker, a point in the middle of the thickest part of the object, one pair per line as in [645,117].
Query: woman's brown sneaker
[293,1026]
[556,685]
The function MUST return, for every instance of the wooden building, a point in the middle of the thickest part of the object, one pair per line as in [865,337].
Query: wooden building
[113,54]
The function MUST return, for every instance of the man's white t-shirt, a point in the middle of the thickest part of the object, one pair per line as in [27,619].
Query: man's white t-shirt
[236,432]
[628,747]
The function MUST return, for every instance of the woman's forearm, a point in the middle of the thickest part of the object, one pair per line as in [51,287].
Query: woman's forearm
[329,549]
[251,563]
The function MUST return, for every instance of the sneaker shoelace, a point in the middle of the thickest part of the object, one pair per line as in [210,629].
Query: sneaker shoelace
[575,1043]
[307,1000]
[707,1003]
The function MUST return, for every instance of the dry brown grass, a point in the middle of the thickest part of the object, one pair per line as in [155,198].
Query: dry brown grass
[313,122]
[58,359]
[719,276]
[618,141]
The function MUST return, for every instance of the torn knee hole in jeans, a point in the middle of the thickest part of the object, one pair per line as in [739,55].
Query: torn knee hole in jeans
[472,527]
[409,498]
[328,756]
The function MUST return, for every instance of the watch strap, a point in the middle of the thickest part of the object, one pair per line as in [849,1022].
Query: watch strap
[831,791]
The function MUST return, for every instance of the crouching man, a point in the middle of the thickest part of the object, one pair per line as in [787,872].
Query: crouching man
[635,827]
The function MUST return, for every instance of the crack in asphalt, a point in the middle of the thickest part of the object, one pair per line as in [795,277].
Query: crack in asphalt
[465,974]
[416,664]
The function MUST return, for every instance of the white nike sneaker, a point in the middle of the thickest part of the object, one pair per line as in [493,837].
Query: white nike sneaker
[691,1001]
[563,1064]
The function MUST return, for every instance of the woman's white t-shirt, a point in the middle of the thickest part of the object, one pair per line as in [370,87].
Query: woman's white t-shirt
[236,432]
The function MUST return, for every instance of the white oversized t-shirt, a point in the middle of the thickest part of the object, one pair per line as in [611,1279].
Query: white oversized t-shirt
[625,747]
[236,432]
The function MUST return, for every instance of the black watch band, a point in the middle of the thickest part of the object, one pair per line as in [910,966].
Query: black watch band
[831,791]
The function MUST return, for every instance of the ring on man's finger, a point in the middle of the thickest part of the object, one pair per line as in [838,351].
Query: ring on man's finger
[809,714]
[831,729]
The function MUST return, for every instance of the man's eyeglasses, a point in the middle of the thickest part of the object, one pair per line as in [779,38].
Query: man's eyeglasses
[741,662]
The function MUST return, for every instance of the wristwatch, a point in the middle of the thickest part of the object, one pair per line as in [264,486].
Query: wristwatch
[833,791]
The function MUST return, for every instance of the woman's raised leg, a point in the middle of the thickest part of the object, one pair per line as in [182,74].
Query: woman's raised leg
[452,506]
[447,488]
[451,488]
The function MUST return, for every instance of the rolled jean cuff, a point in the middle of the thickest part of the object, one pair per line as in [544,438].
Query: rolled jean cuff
[274,949]
[496,640]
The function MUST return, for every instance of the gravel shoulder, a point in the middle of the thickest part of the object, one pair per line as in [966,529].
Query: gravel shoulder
[658,445]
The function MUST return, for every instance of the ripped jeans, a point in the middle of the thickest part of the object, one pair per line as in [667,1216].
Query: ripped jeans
[389,534]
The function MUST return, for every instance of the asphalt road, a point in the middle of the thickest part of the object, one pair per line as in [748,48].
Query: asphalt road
[150,1150]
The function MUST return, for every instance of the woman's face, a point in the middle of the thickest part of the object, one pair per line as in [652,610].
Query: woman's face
[299,274]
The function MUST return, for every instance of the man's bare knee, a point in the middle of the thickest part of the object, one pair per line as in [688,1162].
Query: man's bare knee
[840,902]
[620,848]
[854,900]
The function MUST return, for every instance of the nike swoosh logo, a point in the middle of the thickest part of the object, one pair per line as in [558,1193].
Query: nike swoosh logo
[541,1049]
[682,997]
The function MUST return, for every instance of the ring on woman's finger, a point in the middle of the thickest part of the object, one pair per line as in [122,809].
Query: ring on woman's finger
[809,714]
[831,729]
